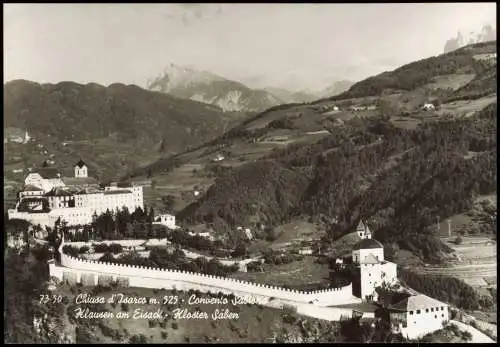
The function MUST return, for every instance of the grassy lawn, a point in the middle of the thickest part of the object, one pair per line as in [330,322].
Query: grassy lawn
[301,272]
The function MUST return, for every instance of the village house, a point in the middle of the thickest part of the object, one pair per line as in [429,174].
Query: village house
[418,315]
[246,231]
[219,157]
[428,107]
[167,220]
[205,234]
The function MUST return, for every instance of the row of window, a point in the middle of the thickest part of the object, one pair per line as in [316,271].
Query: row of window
[414,322]
[431,310]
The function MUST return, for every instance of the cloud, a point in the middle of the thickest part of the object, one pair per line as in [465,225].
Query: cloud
[189,14]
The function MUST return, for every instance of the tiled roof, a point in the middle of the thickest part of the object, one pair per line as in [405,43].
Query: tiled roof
[120,191]
[58,191]
[370,259]
[80,163]
[79,181]
[49,173]
[31,188]
[416,302]
[363,226]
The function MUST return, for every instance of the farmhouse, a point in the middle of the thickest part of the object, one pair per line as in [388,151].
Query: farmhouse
[418,315]
[47,197]
[428,107]
[167,220]
[219,157]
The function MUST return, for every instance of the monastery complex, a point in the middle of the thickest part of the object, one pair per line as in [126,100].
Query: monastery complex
[48,196]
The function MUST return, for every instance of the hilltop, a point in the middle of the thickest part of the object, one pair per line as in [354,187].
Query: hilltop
[209,88]
[112,128]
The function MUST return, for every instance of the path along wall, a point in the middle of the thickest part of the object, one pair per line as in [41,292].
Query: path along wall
[139,276]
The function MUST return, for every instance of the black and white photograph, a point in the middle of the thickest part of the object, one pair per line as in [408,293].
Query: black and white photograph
[218,173]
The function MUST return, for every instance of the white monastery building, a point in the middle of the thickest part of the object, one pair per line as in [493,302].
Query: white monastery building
[47,196]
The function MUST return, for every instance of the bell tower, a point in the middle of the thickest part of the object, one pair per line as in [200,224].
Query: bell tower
[81,170]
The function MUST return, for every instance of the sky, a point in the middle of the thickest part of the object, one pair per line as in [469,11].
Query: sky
[292,46]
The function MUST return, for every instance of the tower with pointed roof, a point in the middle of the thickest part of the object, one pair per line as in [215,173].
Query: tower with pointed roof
[26,137]
[81,170]
[363,231]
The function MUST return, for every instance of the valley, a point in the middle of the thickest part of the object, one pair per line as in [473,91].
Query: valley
[299,177]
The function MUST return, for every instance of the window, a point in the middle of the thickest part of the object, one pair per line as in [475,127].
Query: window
[442,315]
[411,312]
[442,308]
[418,311]
[427,310]
[432,309]
[435,316]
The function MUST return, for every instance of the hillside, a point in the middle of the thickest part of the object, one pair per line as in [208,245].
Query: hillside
[291,97]
[336,88]
[112,128]
[211,89]
[422,72]
[388,161]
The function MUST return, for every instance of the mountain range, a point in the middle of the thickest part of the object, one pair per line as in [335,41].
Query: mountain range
[209,88]
[113,128]
[230,95]
[487,33]
[385,161]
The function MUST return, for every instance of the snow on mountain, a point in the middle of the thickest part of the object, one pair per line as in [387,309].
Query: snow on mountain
[177,77]
[487,33]
[209,88]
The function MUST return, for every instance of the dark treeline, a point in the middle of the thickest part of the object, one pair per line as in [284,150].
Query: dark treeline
[161,258]
[419,73]
[116,225]
[27,276]
[447,289]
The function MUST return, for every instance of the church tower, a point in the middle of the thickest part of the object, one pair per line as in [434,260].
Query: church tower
[363,231]
[26,137]
[81,170]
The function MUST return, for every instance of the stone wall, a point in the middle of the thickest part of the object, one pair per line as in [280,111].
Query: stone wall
[147,277]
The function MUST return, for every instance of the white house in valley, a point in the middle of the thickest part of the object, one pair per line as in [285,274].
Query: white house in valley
[428,107]
[48,196]
[418,315]
[167,220]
